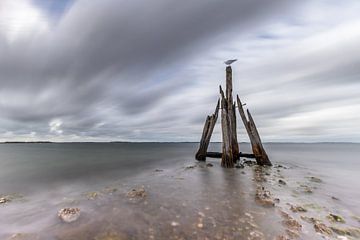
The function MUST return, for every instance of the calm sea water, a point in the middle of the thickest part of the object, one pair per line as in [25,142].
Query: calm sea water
[45,175]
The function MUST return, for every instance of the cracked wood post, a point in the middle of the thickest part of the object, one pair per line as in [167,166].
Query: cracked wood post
[227,158]
[258,150]
[206,135]
[231,113]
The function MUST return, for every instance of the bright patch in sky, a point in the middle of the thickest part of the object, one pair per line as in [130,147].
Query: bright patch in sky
[20,19]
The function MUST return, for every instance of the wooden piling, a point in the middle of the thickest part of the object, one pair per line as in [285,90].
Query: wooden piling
[206,135]
[257,147]
[227,158]
[231,114]
[258,150]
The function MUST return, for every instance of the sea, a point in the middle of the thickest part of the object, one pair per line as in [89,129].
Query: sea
[184,199]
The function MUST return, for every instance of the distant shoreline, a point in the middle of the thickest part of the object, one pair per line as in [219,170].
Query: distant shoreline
[42,142]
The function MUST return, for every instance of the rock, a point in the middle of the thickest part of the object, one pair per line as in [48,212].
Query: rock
[335,198]
[292,233]
[277,200]
[190,167]
[92,195]
[209,165]
[290,222]
[282,182]
[4,200]
[278,166]
[322,228]
[263,197]
[249,162]
[351,231]
[297,208]
[315,179]
[137,193]
[239,165]
[309,219]
[69,215]
[159,170]
[9,198]
[335,218]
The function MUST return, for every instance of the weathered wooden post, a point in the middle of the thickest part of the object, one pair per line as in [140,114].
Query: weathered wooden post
[206,135]
[257,147]
[231,113]
[227,158]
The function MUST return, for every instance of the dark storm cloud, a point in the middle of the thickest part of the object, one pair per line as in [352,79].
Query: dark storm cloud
[106,53]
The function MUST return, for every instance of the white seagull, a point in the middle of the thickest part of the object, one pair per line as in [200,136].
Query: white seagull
[229,62]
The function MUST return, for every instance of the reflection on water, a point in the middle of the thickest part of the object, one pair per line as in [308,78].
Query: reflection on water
[181,203]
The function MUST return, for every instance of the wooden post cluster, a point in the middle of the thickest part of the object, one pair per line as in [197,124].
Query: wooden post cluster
[230,147]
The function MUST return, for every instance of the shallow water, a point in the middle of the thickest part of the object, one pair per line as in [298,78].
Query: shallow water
[196,203]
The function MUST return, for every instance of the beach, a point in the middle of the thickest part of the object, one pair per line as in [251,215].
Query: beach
[159,191]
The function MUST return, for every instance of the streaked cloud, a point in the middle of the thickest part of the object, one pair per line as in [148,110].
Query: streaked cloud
[141,71]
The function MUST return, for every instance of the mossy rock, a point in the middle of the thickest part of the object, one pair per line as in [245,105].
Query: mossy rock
[335,218]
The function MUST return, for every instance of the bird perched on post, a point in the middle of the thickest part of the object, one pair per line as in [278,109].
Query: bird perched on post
[229,62]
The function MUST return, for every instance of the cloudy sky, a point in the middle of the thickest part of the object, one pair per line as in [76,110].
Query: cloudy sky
[139,70]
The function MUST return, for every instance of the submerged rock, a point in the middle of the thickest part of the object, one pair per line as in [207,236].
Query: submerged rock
[137,193]
[9,198]
[159,170]
[322,228]
[315,179]
[190,167]
[92,195]
[290,222]
[4,200]
[239,165]
[249,162]
[69,215]
[282,182]
[351,231]
[297,208]
[263,197]
[335,218]
[309,219]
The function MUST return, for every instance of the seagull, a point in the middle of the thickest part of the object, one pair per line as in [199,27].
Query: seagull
[229,62]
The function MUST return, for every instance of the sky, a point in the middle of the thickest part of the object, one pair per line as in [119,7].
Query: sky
[116,70]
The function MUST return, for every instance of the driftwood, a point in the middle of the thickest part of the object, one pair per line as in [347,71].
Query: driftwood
[259,151]
[257,147]
[227,159]
[206,135]
[219,155]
